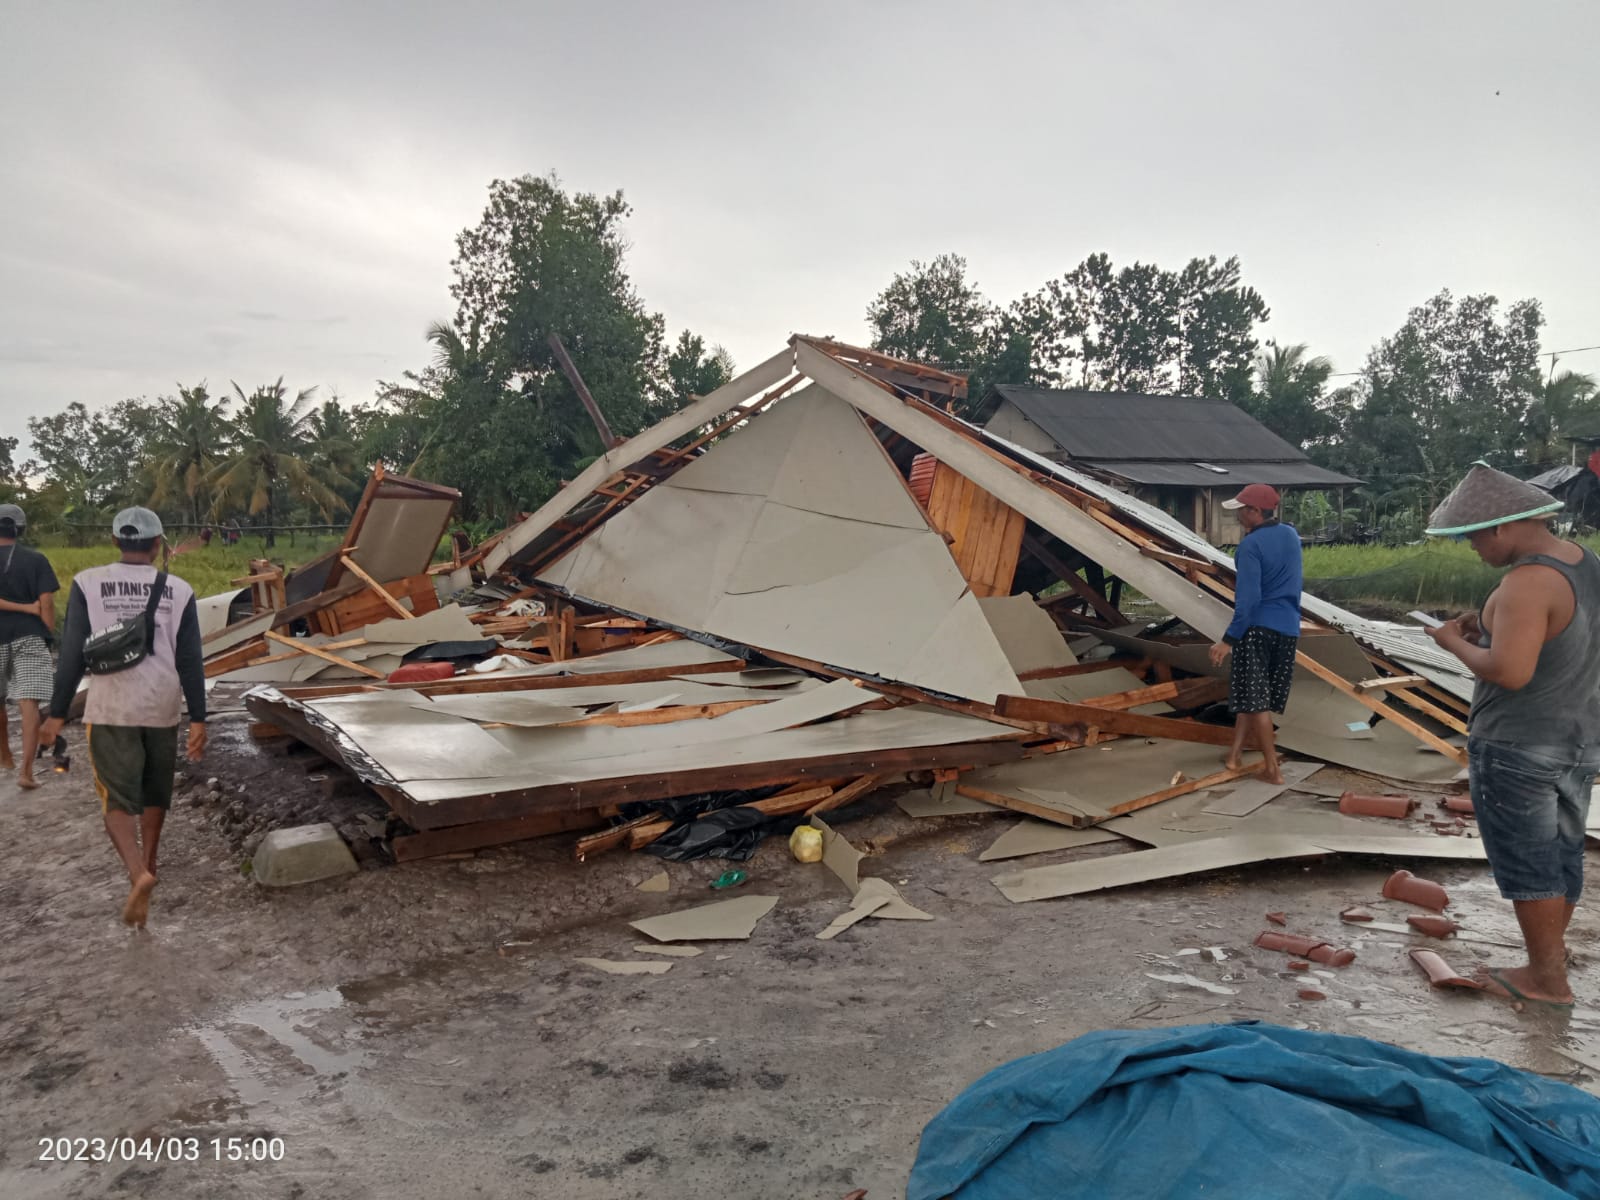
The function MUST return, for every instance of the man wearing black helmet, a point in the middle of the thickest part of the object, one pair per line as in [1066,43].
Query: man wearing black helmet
[27,621]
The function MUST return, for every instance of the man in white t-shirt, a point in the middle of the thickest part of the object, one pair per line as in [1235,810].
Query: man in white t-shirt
[132,715]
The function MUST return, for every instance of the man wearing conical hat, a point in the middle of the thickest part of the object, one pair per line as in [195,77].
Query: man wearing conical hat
[1534,731]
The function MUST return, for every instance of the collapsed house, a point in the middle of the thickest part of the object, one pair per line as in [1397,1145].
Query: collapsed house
[808,584]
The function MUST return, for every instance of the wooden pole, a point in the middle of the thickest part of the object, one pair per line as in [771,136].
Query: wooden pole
[564,360]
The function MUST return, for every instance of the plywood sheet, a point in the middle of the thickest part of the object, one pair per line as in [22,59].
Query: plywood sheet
[1030,836]
[398,535]
[832,561]
[1026,633]
[1144,866]
[1247,795]
[920,802]
[411,744]
[679,653]
[1090,781]
[861,733]
[447,624]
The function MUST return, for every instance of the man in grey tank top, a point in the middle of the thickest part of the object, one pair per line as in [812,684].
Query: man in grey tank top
[1533,736]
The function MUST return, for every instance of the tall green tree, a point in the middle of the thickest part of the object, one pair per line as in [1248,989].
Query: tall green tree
[932,314]
[272,464]
[336,448]
[1287,395]
[1567,402]
[189,439]
[95,459]
[1455,383]
[692,370]
[544,261]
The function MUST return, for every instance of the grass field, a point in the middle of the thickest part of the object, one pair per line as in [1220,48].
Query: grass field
[1438,574]
[208,570]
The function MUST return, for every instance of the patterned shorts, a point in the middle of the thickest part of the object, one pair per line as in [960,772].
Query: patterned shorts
[1263,669]
[26,672]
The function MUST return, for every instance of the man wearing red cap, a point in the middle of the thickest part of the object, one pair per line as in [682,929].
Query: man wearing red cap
[1265,632]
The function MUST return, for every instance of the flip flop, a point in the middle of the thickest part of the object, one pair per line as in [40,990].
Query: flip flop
[1511,991]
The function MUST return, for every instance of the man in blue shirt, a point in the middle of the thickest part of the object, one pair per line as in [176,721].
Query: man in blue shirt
[1265,633]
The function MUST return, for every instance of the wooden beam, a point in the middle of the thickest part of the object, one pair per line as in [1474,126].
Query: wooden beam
[1185,693]
[1444,716]
[520,683]
[846,794]
[1456,754]
[1227,775]
[663,716]
[454,838]
[305,647]
[376,588]
[607,439]
[1182,561]
[1060,715]
[1071,578]
[232,660]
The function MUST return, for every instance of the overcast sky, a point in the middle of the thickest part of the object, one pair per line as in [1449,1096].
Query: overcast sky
[222,191]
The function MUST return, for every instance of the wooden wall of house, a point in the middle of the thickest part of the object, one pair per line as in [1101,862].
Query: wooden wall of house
[985,535]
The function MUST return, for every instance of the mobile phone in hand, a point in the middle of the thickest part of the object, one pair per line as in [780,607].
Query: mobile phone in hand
[1425,620]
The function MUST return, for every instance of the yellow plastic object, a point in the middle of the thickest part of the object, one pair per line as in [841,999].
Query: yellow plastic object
[805,843]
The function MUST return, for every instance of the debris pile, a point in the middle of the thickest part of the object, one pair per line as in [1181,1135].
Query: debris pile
[810,584]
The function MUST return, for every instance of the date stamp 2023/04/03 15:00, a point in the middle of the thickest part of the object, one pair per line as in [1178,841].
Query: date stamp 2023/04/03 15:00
[160,1149]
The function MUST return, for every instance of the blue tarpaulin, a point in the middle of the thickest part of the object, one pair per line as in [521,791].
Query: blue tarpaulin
[1251,1110]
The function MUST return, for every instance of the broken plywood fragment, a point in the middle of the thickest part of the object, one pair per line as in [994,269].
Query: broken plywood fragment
[922,803]
[1250,794]
[659,882]
[844,860]
[611,967]
[1030,836]
[1143,866]
[726,920]
[861,908]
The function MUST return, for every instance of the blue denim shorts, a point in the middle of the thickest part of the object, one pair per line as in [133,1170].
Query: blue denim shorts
[1532,803]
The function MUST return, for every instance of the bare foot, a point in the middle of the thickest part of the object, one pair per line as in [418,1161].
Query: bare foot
[27,782]
[1519,985]
[1273,776]
[137,910]
[7,763]
[1232,763]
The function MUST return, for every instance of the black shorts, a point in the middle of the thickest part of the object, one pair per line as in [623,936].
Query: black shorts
[1263,669]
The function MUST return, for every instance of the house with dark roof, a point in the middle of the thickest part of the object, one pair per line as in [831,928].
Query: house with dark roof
[1183,454]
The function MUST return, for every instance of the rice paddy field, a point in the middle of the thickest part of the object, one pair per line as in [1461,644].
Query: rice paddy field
[208,569]
[1438,574]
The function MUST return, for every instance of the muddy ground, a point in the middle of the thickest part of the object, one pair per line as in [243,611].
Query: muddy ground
[380,1028]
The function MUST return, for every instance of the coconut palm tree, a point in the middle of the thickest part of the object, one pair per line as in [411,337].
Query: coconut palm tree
[1567,402]
[1287,397]
[273,461]
[190,437]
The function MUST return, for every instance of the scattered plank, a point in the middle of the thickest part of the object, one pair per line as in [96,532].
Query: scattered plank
[1059,715]
[305,647]
[455,838]
[1384,682]
[1253,793]
[845,795]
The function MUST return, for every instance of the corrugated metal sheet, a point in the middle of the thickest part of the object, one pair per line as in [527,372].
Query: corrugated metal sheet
[1126,425]
[1230,475]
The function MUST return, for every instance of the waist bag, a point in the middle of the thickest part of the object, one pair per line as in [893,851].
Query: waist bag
[125,644]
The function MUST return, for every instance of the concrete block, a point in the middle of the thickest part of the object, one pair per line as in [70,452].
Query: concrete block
[301,855]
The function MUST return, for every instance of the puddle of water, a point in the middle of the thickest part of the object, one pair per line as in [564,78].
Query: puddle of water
[260,1076]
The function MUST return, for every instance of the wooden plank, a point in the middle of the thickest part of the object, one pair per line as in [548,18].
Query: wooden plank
[455,838]
[1385,682]
[1060,715]
[608,839]
[305,647]
[266,731]
[1184,693]
[239,656]
[1227,775]
[663,716]
[1444,716]
[1456,754]
[568,368]
[1073,580]
[1183,561]
[376,588]
[846,794]
[1021,804]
